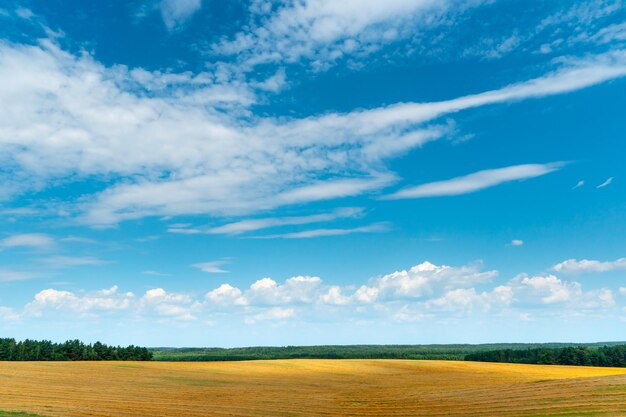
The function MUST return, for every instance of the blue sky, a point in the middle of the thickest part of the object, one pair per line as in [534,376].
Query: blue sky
[204,173]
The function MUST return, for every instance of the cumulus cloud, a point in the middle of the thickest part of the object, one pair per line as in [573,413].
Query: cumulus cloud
[168,305]
[425,290]
[466,299]
[295,290]
[527,295]
[225,294]
[548,289]
[573,266]
[106,300]
[421,281]
[517,242]
[366,294]
[334,296]
[476,181]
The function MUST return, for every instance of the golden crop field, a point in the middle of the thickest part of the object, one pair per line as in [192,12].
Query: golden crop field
[310,388]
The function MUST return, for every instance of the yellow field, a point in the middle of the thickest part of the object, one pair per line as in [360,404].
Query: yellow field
[310,388]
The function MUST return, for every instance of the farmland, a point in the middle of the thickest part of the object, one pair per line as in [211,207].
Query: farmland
[309,388]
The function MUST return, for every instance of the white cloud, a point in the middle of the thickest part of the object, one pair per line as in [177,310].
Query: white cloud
[214,267]
[177,12]
[517,242]
[334,296]
[251,225]
[155,273]
[78,239]
[295,290]
[159,295]
[525,295]
[465,299]
[195,147]
[308,234]
[71,261]
[106,300]
[27,240]
[324,31]
[609,181]
[476,181]
[425,290]
[19,211]
[611,33]
[273,314]
[24,13]
[275,83]
[582,13]
[549,289]
[573,266]
[8,314]
[169,305]
[225,294]
[10,275]
[579,184]
[366,294]
[421,281]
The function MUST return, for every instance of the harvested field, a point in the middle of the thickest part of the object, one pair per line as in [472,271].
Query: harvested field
[309,388]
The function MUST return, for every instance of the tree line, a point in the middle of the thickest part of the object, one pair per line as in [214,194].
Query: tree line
[72,350]
[311,352]
[441,352]
[612,356]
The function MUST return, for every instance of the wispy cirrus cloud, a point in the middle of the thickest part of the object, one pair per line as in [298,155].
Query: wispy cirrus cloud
[72,261]
[475,182]
[154,273]
[220,162]
[28,240]
[213,267]
[251,225]
[177,12]
[309,234]
[324,31]
[12,275]
[606,183]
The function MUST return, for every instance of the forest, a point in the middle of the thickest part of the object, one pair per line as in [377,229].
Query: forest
[424,352]
[598,354]
[614,356]
[72,350]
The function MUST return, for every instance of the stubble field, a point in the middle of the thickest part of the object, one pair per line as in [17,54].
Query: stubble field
[309,388]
